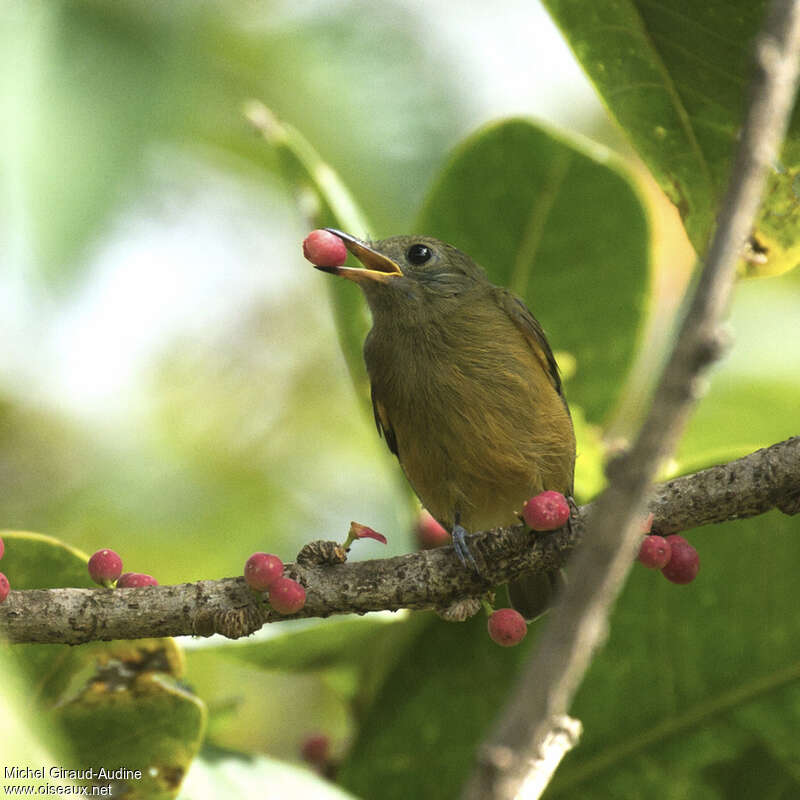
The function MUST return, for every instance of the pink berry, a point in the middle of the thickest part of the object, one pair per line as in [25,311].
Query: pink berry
[507,627]
[4,587]
[315,749]
[287,596]
[105,566]
[325,249]
[430,533]
[132,580]
[2,548]
[684,562]
[262,570]
[546,511]
[655,552]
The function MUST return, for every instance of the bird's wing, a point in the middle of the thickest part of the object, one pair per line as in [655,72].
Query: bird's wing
[382,422]
[530,328]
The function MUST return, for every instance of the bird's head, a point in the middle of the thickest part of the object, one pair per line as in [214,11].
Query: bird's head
[408,273]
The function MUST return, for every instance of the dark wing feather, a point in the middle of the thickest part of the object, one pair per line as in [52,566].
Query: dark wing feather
[530,328]
[383,424]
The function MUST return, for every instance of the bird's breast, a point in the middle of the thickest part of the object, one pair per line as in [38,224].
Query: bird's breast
[477,423]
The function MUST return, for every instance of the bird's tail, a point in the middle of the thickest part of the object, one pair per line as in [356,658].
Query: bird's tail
[532,595]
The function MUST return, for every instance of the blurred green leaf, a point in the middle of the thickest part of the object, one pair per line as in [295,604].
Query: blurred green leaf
[27,741]
[252,710]
[87,98]
[589,475]
[675,76]
[370,93]
[705,676]
[228,775]
[329,643]
[562,225]
[754,393]
[328,203]
[98,85]
[317,675]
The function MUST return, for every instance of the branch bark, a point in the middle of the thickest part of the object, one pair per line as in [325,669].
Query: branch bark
[578,625]
[434,579]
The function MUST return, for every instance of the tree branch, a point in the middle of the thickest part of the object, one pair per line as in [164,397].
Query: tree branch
[578,624]
[433,579]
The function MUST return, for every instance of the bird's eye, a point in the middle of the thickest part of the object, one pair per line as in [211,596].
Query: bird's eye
[418,254]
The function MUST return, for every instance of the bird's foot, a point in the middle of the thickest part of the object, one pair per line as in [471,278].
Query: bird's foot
[461,548]
[573,511]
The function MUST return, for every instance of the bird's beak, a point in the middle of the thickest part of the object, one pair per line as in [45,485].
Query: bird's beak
[377,266]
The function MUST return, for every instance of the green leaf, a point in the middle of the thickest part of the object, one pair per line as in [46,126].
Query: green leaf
[419,737]
[149,724]
[562,225]
[34,561]
[675,75]
[115,703]
[706,676]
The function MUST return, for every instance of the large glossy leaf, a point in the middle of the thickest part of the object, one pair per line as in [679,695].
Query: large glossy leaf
[697,688]
[561,224]
[675,75]
[705,676]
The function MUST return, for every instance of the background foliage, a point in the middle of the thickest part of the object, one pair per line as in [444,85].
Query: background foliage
[171,387]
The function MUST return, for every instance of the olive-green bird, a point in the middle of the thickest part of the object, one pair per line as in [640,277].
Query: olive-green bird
[465,389]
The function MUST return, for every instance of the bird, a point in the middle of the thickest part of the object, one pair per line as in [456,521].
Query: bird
[465,391]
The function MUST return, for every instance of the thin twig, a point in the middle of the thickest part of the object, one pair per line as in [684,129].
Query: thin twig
[766,479]
[578,625]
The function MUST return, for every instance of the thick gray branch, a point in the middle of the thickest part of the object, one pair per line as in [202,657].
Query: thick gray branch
[761,481]
[577,626]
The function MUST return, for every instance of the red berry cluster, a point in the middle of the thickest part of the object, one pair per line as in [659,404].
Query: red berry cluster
[105,568]
[673,555]
[263,572]
[5,587]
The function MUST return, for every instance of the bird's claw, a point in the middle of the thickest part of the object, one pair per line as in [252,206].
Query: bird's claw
[573,511]
[461,548]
